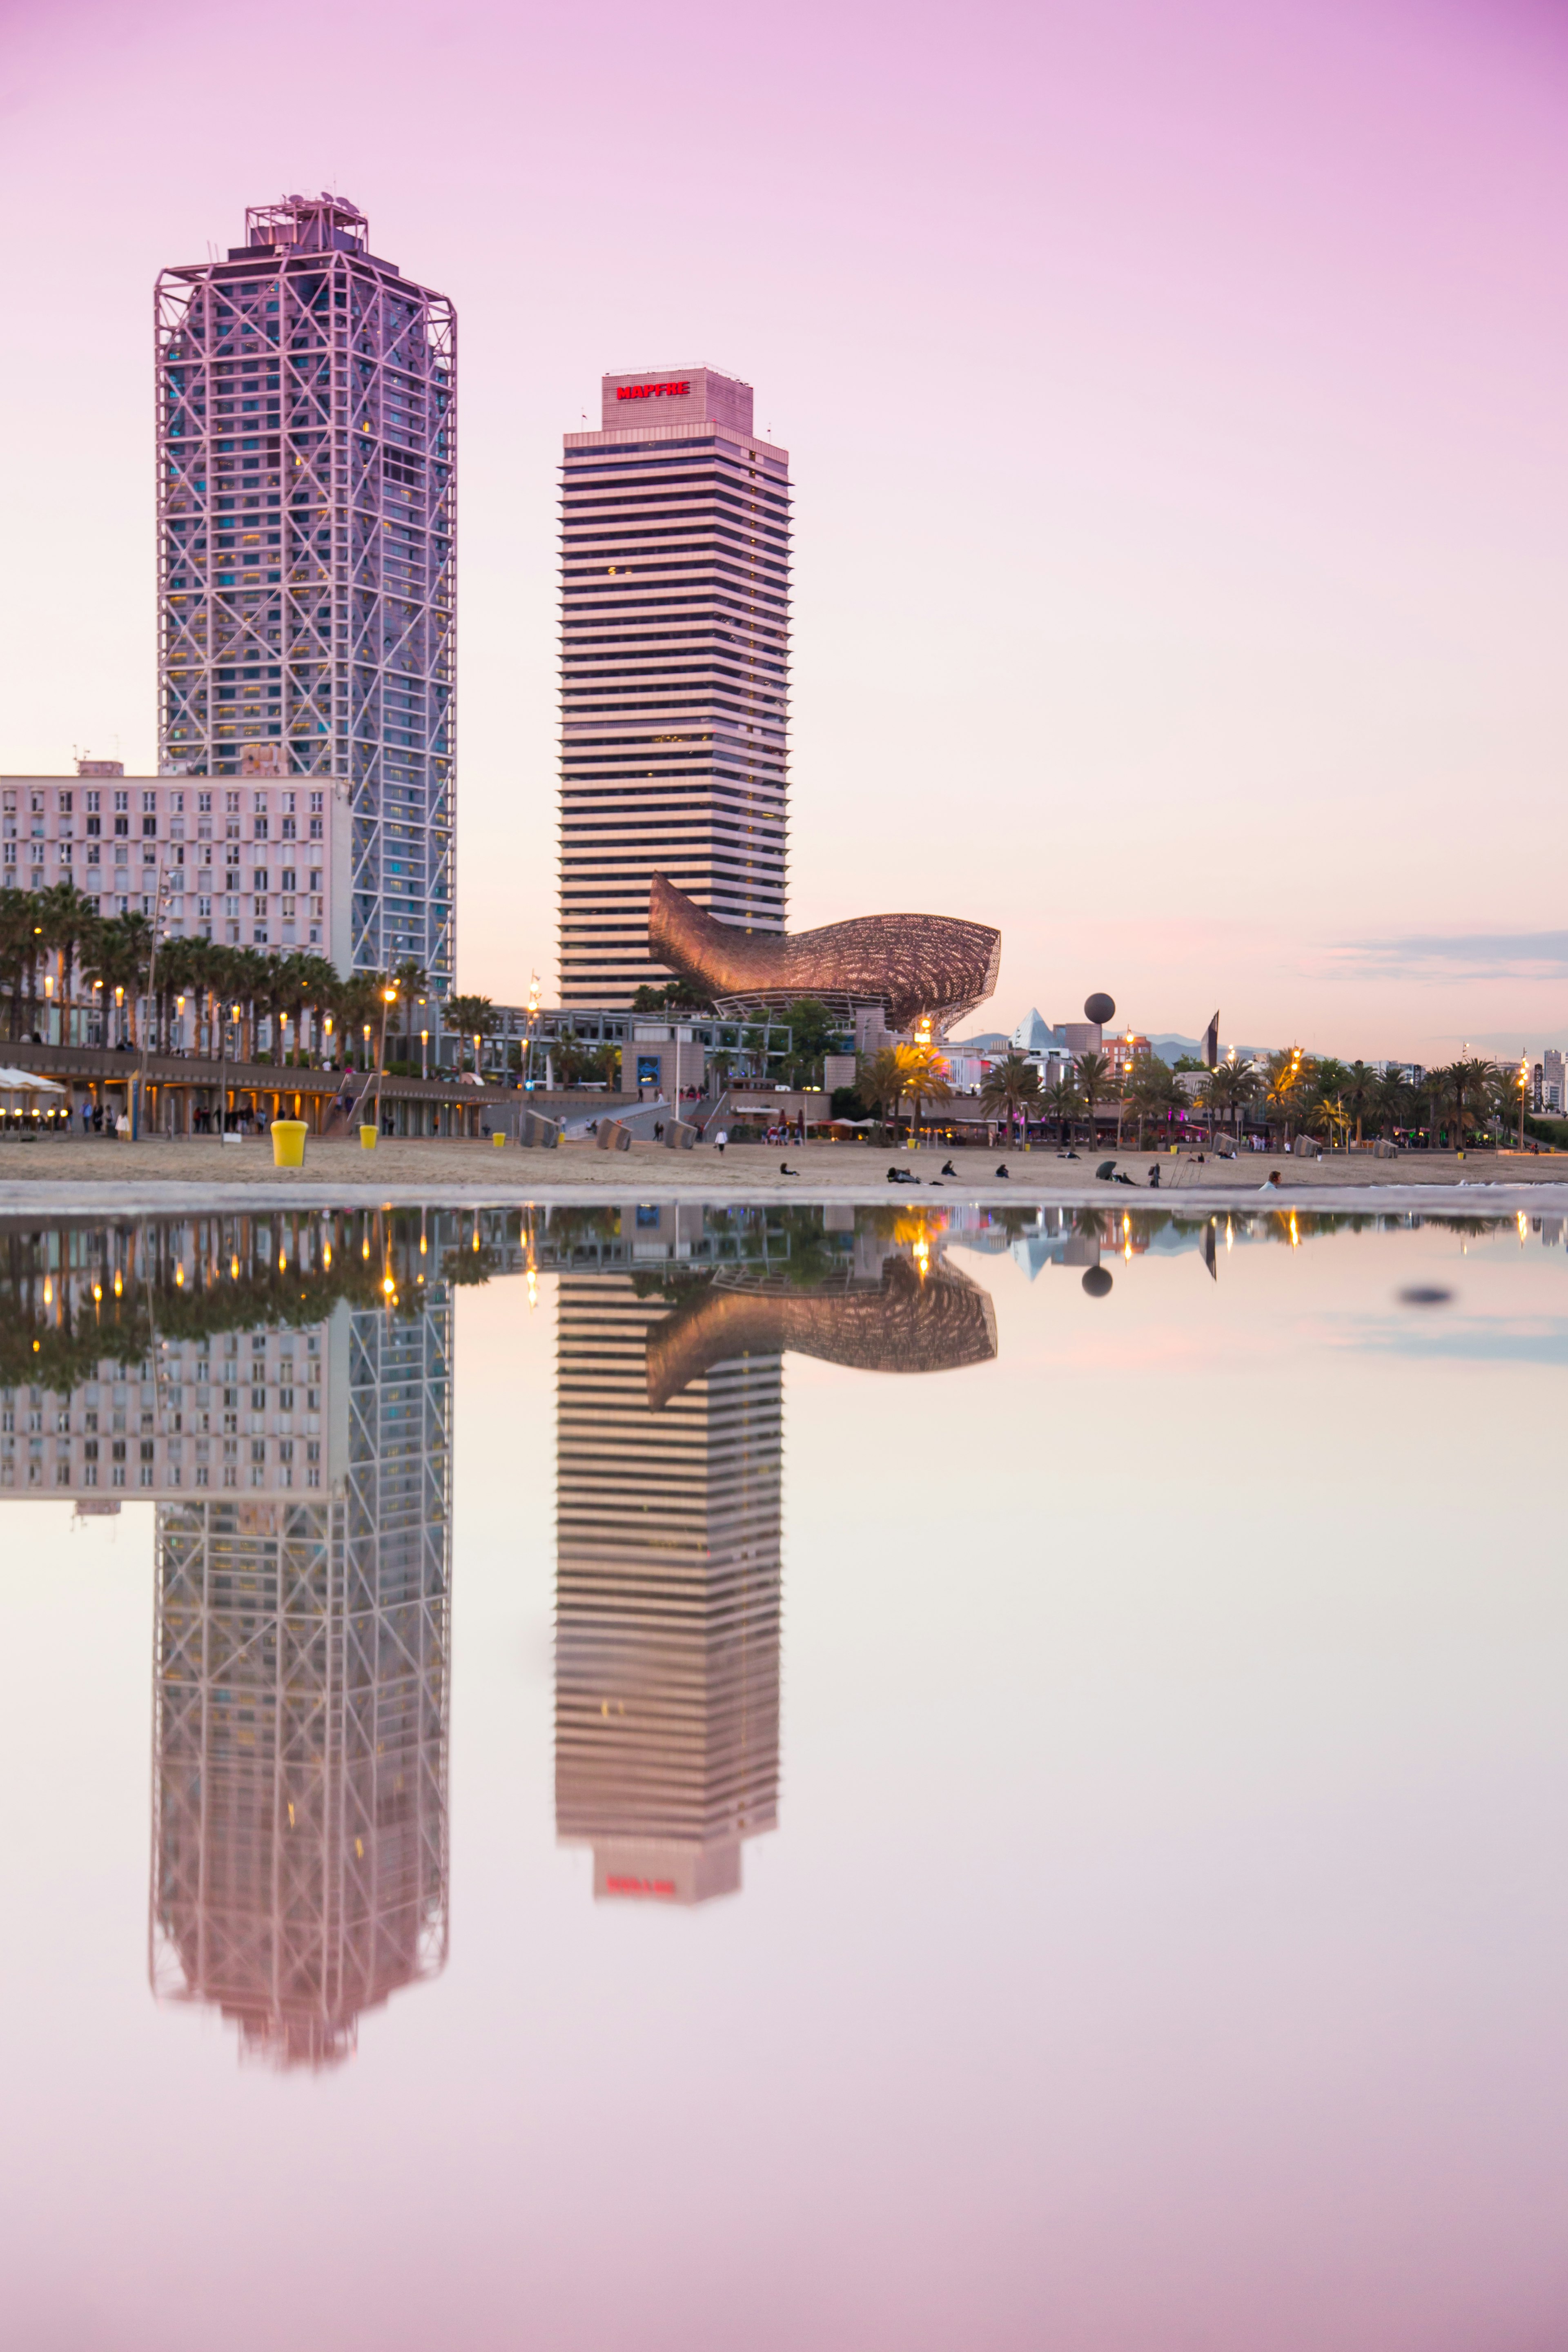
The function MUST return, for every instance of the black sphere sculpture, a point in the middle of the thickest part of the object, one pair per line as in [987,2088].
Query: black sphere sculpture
[1099,1008]
[1097,1281]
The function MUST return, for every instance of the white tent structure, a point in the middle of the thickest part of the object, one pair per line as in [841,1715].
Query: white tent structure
[24,1094]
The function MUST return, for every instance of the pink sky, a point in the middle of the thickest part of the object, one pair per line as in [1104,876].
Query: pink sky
[1175,395]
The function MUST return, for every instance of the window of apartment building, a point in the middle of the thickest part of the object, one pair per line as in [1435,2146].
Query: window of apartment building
[121,803]
[149,804]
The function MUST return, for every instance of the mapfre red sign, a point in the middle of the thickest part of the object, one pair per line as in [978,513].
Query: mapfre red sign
[651,391]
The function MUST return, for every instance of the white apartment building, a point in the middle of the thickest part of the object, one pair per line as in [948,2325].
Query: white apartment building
[249,864]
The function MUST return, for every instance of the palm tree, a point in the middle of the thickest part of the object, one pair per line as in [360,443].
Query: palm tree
[67,920]
[1061,1101]
[1328,1111]
[1358,1092]
[1094,1077]
[1010,1087]
[19,935]
[358,1009]
[1394,1098]
[412,983]
[1286,1076]
[1153,1091]
[117,956]
[880,1082]
[1465,1082]
[1231,1087]
[1506,1094]
[924,1076]
[469,1018]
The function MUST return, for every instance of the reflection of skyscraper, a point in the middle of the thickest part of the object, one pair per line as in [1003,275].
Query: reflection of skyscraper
[300,1834]
[667,1695]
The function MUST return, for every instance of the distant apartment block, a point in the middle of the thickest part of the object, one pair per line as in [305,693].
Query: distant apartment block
[251,865]
[306,584]
[675,608]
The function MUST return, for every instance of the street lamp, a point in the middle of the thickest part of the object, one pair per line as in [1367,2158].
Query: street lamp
[388,998]
[424,1053]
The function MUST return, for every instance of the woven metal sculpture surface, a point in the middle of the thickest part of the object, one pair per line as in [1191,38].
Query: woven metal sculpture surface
[917,967]
[904,1323]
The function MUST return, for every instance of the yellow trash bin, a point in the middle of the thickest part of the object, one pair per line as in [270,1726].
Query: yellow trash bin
[367,1139]
[289,1142]
[498,1139]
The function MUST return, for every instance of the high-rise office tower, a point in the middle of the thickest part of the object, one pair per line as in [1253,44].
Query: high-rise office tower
[667,1597]
[675,671]
[306,509]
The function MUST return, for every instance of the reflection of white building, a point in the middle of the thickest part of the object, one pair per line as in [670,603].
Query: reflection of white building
[302,1480]
[242,1411]
[667,1597]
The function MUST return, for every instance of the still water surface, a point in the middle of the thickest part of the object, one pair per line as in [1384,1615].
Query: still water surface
[683,1778]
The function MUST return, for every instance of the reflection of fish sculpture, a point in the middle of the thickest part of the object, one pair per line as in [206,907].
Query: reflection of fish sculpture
[902,1324]
[916,966]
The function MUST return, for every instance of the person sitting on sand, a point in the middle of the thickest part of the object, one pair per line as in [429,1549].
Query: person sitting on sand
[1002,1170]
[1273,1183]
[947,1168]
[786,1169]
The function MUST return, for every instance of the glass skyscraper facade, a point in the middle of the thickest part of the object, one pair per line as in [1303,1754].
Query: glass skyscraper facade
[307,510]
[674,586]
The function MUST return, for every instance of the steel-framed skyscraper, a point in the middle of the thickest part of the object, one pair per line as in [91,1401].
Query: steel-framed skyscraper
[307,513]
[675,583]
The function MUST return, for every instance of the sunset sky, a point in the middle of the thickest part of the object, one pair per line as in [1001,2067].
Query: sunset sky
[1175,394]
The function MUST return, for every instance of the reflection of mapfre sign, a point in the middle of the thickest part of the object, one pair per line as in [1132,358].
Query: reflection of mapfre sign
[651,391]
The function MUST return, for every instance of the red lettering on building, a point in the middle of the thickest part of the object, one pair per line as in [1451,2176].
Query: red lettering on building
[665,1886]
[651,391]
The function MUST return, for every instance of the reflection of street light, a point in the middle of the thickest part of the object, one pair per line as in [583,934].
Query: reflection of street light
[1523,1082]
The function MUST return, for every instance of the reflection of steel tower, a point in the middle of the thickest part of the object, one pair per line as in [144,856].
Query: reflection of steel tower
[300,1832]
[667,1678]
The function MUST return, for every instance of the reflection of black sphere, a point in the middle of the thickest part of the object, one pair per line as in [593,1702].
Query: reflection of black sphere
[1100,1008]
[1096,1281]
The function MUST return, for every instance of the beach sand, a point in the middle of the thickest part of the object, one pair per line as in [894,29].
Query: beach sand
[96,1172]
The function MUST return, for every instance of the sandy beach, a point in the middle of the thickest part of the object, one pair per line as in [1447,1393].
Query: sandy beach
[96,1175]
